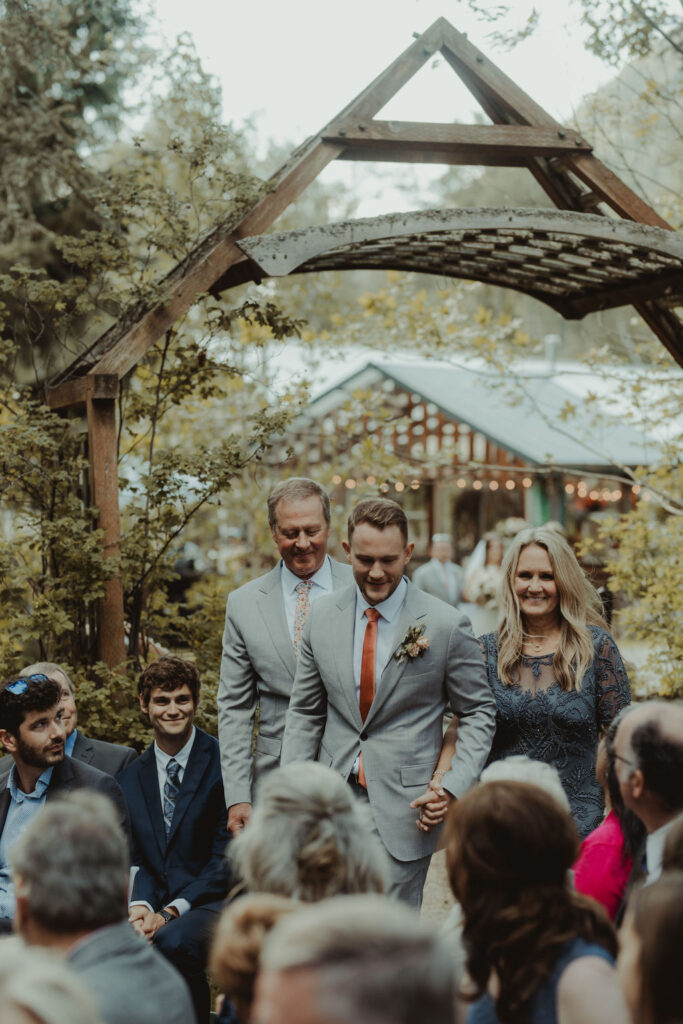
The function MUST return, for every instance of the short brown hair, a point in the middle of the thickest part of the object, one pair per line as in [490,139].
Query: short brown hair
[297,488]
[169,673]
[380,513]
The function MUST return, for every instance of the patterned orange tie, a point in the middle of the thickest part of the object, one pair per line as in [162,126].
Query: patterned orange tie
[367,677]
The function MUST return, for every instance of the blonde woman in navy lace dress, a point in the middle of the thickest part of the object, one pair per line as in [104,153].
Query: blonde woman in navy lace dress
[555,671]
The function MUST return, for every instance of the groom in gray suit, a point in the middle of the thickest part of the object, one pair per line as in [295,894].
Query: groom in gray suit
[380,661]
[263,624]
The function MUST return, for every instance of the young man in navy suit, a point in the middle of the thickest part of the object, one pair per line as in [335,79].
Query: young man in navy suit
[174,792]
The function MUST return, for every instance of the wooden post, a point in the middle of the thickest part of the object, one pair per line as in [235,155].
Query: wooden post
[104,487]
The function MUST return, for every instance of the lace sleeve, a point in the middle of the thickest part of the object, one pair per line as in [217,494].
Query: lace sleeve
[612,688]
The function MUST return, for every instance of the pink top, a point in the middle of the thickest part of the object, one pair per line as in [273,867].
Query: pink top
[600,870]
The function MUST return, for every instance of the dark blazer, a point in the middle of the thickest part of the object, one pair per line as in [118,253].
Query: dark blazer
[130,982]
[191,863]
[107,757]
[68,776]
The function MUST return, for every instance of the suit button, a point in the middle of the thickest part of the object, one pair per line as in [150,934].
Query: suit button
[363,735]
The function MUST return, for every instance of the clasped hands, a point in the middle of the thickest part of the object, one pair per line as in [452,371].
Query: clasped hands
[145,921]
[432,805]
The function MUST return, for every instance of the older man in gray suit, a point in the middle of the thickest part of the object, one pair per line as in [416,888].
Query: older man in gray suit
[263,625]
[379,664]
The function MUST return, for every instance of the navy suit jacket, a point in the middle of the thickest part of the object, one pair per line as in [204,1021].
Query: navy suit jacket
[67,776]
[190,863]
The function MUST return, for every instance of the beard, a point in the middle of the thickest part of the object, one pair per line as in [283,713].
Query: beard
[38,758]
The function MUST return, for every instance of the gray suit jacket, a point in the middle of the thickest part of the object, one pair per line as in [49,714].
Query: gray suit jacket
[130,982]
[109,758]
[257,668]
[402,734]
[430,578]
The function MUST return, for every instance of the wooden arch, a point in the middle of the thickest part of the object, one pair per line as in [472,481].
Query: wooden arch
[522,134]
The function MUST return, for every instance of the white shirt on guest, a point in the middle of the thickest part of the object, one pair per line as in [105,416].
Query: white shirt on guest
[654,849]
[322,584]
[162,759]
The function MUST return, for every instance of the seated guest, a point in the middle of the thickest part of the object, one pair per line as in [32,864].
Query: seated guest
[236,948]
[358,958]
[107,757]
[71,867]
[648,748]
[31,728]
[174,792]
[36,987]
[309,838]
[650,944]
[536,950]
[606,857]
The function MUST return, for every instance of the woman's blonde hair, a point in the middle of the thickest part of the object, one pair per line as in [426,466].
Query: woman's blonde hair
[579,607]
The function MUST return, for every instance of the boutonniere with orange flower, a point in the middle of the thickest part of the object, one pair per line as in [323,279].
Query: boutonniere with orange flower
[414,644]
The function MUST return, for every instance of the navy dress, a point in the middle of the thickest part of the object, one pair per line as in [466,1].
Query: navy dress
[536,717]
[543,1006]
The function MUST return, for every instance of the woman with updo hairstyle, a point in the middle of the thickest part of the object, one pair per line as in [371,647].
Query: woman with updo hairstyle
[537,952]
[309,838]
[650,945]
[555,671]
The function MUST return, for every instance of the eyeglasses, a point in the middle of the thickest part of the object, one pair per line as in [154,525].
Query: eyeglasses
[20,685]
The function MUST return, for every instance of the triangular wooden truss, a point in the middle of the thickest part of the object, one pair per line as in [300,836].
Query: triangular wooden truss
[522,135]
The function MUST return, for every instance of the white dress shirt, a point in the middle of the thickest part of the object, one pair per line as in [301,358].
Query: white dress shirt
[162,759]
[322,584]
[654,849]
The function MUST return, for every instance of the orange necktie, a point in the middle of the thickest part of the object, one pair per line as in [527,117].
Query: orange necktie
[367,676]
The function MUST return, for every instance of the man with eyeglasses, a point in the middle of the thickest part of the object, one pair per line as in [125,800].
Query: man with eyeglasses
[33,732]
[648,755]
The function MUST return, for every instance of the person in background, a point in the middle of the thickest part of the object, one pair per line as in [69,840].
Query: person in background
[555,672]
[364,959]
[264,621]
[106,757]
[441,576]
[650,944]
[482,587]
[536,950]
[605,860]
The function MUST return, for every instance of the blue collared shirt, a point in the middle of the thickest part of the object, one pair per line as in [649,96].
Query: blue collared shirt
[22,810]
[70,743]
[322,584]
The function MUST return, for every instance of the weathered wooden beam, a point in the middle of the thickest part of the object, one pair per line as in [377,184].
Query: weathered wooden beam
[613,191]
[77,392]
[104,488]
[626,294]
[483,145]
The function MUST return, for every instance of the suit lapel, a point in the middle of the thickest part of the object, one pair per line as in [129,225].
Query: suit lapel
[195,770]
[149,783]
[343,637]
[412,614]
[83,749]
[61,780]
[272,609]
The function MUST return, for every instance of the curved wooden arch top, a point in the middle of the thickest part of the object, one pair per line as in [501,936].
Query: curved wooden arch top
[576,263]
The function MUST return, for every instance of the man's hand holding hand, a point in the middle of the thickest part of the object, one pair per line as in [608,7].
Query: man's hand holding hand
[432,805]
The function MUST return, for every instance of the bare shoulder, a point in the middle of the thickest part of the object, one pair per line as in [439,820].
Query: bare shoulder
[589,993]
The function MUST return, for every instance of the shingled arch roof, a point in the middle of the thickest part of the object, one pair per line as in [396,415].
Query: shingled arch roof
[576,263]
